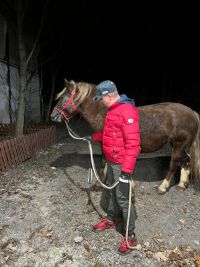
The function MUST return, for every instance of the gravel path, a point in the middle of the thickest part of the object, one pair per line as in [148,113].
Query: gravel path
[45,218]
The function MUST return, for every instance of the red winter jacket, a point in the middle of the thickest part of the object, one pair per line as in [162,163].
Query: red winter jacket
[121,135]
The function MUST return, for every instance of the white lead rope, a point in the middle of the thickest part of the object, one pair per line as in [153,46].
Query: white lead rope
[76,137]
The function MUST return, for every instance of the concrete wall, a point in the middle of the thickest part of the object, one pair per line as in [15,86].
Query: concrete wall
[33,94]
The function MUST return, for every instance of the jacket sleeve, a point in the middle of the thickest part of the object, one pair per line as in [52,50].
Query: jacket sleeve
[97,136]
[131,137]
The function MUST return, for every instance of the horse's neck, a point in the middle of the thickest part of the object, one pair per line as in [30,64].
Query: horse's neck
[94,113]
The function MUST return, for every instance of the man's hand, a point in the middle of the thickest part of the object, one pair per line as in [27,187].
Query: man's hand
[125,176]
[124,179]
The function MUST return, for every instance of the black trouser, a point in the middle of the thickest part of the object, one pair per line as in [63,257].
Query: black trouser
[119,199]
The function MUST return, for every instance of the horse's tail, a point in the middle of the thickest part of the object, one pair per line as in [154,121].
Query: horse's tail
[195,156]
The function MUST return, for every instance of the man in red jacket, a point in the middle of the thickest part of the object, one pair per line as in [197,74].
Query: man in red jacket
[120,139]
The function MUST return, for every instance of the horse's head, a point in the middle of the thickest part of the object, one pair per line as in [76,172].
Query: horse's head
[69,99]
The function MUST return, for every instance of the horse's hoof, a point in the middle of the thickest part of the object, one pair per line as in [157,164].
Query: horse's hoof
[180,188]
[159,192]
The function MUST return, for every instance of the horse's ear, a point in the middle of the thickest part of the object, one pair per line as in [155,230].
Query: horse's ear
[73,82]
[70,84]
[73,85]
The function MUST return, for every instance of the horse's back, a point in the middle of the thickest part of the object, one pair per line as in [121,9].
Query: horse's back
[162,123]
[165,106]
[168,112]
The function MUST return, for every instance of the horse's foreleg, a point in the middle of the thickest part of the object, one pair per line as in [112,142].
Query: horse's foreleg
[103,178]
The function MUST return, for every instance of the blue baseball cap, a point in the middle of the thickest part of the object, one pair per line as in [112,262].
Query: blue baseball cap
[103,89]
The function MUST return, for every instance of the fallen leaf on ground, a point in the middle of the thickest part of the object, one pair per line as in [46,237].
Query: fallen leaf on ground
[174,256]
[182,221]
[158,239]
[160,256]
[46,233]
[197,260]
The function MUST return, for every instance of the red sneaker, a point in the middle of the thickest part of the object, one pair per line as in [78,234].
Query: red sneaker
[104,224]
[132,242]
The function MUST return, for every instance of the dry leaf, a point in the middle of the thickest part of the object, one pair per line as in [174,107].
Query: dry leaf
[2,226]
[182,221]
[86,246]
[25,195]
[174,256]
[196,260]
[158,240]
[46,233]
[185,210]
[160,256]
[177,251]
[188,249]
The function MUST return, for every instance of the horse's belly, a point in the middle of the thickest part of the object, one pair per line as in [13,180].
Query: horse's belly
[152,145]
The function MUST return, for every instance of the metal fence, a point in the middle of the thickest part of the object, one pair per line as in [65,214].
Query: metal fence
[18,149]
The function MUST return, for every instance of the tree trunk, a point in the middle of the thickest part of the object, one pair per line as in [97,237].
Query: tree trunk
[51,99]
[41,96]
[54,72]
[22,78]
[8,73]
[20,6]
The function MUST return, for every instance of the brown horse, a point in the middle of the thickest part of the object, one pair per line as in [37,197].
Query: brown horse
[160,124]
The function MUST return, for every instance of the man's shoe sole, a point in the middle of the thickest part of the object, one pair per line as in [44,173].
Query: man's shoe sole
[100,230]
[129,251]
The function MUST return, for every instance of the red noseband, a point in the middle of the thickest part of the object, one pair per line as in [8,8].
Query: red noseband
[67,104]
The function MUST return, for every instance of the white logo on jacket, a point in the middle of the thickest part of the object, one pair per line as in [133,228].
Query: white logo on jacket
[130,120]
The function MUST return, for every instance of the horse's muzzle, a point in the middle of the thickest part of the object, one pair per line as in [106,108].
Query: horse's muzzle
[56,116]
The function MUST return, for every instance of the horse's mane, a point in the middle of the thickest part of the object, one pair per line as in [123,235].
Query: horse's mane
[84,91]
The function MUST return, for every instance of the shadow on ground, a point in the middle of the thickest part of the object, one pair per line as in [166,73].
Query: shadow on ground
[147,169]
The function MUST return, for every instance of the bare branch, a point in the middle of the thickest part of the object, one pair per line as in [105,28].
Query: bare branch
[39,32]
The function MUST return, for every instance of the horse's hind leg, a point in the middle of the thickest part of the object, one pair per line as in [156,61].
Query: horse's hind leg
[163,187]
[177,154]
[184,177]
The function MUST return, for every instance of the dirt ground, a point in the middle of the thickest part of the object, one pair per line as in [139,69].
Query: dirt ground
[46,220]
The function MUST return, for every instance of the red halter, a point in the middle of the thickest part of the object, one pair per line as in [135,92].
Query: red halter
[66,105]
